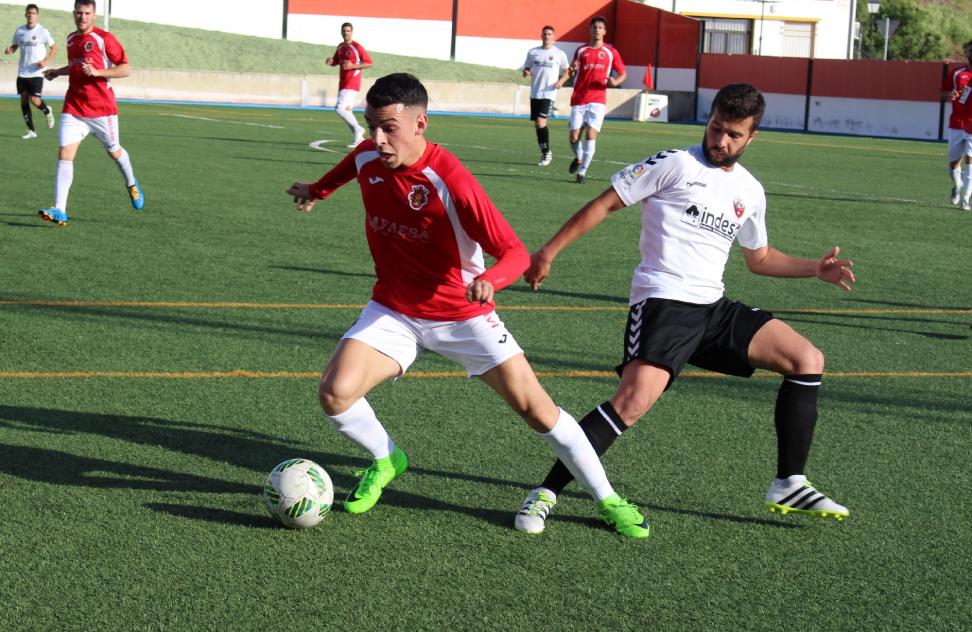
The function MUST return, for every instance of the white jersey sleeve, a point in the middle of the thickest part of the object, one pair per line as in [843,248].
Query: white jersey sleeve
[648,177]
[752,234]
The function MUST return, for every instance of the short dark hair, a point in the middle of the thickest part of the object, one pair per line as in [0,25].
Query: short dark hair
[598,18]
[31,6]
[548,27]
[738,101]
[347,24]
[399,87]
[85,3]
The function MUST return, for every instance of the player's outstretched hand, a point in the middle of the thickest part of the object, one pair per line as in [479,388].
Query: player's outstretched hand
[51,74]
[538,270]
[302,196]
[480,290]
[836,271]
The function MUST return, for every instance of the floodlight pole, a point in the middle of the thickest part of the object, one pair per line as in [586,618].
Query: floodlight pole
[887,35]
[107,14]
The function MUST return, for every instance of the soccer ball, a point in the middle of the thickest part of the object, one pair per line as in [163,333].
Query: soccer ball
[298,493]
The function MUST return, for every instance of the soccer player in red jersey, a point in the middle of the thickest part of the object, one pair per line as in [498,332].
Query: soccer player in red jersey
[957,88]
[592,70]
[94,58]
[429,224]
[352,58]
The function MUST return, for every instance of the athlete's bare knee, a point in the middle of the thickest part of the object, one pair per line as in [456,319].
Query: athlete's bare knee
[631,406]
[808,360]
[334,399]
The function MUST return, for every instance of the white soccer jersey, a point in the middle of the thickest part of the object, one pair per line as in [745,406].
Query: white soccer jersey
[546,66]
[691,212]
[33,44]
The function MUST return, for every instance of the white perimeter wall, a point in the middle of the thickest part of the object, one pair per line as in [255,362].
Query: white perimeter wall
[783,111]
[872,117]
[263,18]
[416,38]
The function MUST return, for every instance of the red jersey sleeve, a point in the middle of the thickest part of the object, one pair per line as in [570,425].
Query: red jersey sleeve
[483,222]
[618,64]
[342,173]
[114,50]
[363,54]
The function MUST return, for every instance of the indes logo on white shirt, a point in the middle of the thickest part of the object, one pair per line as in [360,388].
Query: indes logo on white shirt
[697,215]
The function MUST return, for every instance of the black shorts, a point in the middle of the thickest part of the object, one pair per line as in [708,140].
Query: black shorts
[31,85]
[540,108]
[672,334]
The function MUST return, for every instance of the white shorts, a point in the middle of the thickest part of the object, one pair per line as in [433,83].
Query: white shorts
[590,114]
[959,144]
[478,344]
[346,99]
[74,129]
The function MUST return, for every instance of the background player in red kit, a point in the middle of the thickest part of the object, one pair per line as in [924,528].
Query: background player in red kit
[352,58]
[94,58]
[428,224]
[591,69]
[957,88]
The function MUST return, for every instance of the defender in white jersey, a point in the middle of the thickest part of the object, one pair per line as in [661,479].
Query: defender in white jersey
[37,50]
[548,66]
[694,203]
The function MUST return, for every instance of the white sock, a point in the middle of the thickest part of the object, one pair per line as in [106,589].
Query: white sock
[790,481]
[574,449]
[576,148]
[967,183]
[125,166]
[62,183]
[957,177]
[348,117]
[359,424]
[589,146]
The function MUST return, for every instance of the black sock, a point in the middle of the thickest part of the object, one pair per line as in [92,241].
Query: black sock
[796,416]
[28,116]
[543,139]
[43,108]
[602,426]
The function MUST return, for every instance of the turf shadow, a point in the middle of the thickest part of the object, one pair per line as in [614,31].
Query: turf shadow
[242,448]
[62,468]
[869,327]
[215,514]
[325,271]
[524,289]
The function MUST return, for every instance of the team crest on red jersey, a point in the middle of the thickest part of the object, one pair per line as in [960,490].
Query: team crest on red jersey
[418,197]
[88,47]
[738,206]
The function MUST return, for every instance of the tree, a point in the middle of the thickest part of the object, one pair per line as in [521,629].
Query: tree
[916,38]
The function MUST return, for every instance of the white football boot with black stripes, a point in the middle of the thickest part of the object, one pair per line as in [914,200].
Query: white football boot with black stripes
[796,494]
[533,513]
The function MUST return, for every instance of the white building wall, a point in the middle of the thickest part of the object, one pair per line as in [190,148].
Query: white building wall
[426,38]
[830,33]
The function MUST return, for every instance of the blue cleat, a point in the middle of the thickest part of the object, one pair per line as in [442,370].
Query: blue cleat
[55,215]
[136,196]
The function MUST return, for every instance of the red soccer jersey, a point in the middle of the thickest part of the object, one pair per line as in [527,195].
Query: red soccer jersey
[594,66]
[356,54]
[92,96]
[960,80]
[428,226]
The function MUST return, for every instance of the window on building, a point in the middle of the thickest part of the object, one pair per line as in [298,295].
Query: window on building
[727,35]
[797,39]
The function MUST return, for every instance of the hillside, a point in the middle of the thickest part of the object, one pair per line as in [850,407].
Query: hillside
[159,46]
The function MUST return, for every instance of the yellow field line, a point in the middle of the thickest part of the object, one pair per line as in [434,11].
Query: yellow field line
[524,308]
[240,373]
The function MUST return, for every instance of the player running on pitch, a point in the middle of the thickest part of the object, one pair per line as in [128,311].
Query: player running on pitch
[95,57]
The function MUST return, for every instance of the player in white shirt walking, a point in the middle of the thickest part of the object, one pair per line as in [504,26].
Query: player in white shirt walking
[694,203]
[548,66]
[37,50]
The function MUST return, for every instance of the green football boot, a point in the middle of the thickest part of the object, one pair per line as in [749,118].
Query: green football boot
[374,479]
[624,517]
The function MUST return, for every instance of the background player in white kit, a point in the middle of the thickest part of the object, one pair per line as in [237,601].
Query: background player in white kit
[428,224]
[694,203]
[548,66]
[37,50]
